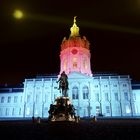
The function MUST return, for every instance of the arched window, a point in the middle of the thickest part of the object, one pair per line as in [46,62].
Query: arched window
[74,62]
[65,64]
[84,63]
[75,92]
[85,92]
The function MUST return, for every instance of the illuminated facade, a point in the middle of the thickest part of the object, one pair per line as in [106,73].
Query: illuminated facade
[107,94]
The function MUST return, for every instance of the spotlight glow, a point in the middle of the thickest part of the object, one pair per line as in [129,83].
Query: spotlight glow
[18,14]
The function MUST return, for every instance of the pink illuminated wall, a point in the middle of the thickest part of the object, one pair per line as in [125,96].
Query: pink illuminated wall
[75,55]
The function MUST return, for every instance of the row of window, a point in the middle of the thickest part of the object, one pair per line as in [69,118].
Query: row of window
[37,98]
[75,92]
[98,110]
[10,111]
[127,109]
[124,85]
[9,99]
[86,94]
[75,95]
[116,96]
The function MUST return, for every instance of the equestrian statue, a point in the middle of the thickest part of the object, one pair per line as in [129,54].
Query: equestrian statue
[63,84]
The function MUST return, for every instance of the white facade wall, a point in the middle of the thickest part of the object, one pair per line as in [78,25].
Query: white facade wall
[11,104]
[136,101]
[108,95]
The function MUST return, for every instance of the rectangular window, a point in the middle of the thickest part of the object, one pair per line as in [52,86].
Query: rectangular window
[75,93]
[9,99]
[13,112]
[2,99]
[97,97]
[116,96]
[28,98]
[20,111]
[15,99]
[0,111]
[126,96]
[97,110]
[124,85]
[37,98]
[107,109]
[134,96]
[55,87]
[85,92]
[106,97]
[45,98]
[21,99]
[7,112]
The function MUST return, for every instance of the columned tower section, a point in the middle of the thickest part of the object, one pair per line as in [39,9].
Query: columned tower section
[75,53]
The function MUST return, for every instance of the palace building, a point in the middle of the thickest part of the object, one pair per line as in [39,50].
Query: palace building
[91,94]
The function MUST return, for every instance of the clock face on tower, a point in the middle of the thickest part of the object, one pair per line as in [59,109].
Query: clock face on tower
[74,51]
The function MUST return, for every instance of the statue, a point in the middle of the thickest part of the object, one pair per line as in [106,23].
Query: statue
[63,84]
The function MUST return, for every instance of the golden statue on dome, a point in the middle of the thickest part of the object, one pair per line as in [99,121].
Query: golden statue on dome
[74,29]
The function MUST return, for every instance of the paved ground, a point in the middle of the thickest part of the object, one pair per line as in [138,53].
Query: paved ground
[85,130]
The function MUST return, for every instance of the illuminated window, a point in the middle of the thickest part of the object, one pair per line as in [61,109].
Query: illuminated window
[75,92]
[65,64]
[15,99]
[85,63]
[2,99]
[97,110]
[128,110]
[85,92]
[9,99]
[36,112]
[28,111]
[74,62]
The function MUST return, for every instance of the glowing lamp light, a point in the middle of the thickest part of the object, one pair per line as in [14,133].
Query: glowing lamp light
[18,14]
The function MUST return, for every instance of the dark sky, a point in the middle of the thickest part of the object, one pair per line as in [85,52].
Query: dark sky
[31,46]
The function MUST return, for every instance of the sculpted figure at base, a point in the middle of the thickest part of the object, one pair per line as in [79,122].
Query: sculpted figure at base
[62,110]
[63,84]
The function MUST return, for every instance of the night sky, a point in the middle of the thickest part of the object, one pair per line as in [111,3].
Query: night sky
[31,46]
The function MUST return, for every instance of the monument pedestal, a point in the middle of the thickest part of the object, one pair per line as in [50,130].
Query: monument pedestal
[62,110]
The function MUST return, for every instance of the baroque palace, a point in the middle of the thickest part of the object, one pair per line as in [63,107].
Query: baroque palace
[109,94]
